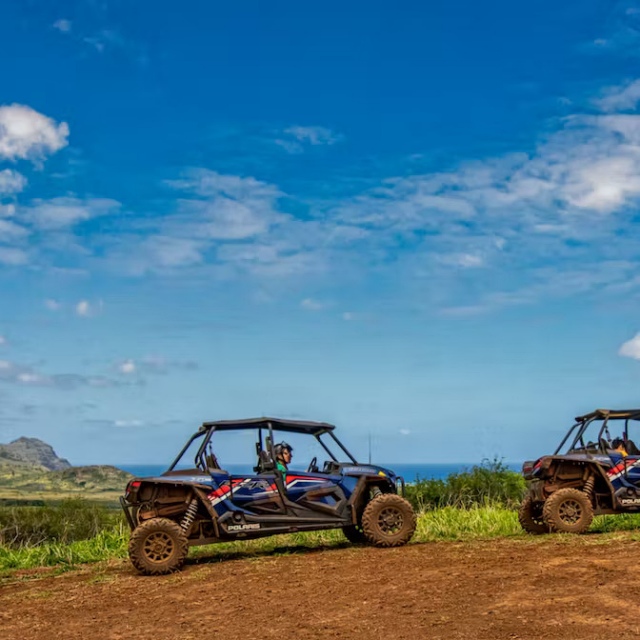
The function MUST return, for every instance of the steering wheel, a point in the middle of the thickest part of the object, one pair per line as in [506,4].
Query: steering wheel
[313,465]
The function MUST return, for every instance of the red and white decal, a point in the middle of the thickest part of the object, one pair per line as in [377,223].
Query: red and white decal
[625,464]
[295,481]
[221,494]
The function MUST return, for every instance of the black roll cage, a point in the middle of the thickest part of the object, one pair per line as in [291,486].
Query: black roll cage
[207,430]
[583,423]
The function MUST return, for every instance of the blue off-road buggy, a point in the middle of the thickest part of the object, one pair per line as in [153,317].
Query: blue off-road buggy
[595,470]
[204,503]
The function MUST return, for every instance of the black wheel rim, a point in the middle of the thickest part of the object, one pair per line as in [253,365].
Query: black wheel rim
[390,520]
[570,511]
[158,546]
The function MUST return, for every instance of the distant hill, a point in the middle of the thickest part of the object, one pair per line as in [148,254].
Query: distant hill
[32,451]
[30,468]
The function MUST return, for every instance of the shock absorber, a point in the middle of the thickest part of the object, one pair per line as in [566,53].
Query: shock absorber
[189,515]
[589,484]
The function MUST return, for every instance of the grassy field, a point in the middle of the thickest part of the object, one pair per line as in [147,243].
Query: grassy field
[478,504]
[445,524]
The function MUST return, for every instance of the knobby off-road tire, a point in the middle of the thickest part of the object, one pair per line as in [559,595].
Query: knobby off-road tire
[158,546]
[388,521]
[354,533]
[568,511]
[530,517]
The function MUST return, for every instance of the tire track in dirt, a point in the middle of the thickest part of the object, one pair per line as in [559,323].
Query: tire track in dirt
[553,587]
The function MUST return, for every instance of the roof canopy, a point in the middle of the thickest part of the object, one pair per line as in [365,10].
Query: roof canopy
[611,414]
[292,426]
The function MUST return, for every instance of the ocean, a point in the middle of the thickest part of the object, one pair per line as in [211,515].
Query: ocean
[410,472]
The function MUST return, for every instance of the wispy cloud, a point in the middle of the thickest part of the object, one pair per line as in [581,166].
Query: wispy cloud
[62,212]
[15,373]
[312,305]
[13,257]
[11,182]
[87,309]
[296,138]
[63,25]
[153,364]
[52,304]
[624,97]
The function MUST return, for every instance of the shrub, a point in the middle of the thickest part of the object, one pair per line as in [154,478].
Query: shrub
[71,520]
[491,482]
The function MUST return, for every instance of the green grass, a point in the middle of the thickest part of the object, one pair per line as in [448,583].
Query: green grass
[478,504]
[446,524]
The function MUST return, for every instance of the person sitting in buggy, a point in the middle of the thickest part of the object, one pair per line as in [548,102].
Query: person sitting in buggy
[284,453]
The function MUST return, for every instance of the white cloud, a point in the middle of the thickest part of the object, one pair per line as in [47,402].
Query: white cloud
[83,308]
[3,341]
[631,348]
[313,135]
[228,208]
[128,423]
[620,98]
[13,257]
[62,25]
[294,139]
[312,305]
[348,315]
[86,309]
[106,38]
[10,231]
[28,134]
[464,260]
[15,373]
[58,213]
[52,304]
[154,364]
[159,253]
[405,432]
[11,182]
[127,367]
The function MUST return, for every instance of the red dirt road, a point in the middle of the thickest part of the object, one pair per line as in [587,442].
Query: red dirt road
[561,588]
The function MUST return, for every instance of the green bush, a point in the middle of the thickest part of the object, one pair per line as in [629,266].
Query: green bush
[69,521]
[491,482]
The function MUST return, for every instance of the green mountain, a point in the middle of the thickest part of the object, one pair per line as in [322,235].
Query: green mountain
[32,451]
[30,468]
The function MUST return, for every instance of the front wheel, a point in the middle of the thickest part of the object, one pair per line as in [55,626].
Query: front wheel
[158,546]
[388,521]
[568,511]
[530,517]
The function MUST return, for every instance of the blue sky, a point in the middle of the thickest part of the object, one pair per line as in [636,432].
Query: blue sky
[418,222]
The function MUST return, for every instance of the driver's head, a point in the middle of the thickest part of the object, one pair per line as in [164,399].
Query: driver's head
[284,452]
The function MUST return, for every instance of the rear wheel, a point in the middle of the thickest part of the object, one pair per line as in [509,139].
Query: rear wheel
[568,511]
[530,517]
[158,546]
[388,521]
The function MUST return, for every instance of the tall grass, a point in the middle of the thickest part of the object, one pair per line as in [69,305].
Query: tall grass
[491,483]
[69,521]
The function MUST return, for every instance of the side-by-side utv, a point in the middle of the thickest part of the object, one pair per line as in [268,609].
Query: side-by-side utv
[196,501]
[595,470]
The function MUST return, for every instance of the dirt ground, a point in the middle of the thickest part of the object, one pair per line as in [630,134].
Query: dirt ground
[552,587]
